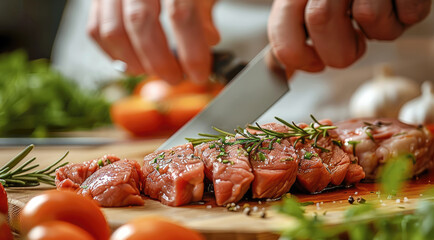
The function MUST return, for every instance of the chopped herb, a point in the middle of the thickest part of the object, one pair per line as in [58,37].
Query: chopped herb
[354,144]
[157,167]
[287,159]
[370,135]
[225,161]
[261,156]
[100,163]
[212,145]
[108,161]
[84,186]
[308,155]
[337,143]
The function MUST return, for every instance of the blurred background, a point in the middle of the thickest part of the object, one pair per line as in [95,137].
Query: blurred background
[55,79]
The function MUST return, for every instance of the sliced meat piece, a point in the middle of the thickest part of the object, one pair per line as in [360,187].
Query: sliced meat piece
[312,175]
[73,175]
[377,140]
[275,170]
[354,174]
[228,167]
[115,185]
[335,159]
[174,176]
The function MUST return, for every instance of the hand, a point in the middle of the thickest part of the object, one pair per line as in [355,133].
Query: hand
[130,31]
[335,42]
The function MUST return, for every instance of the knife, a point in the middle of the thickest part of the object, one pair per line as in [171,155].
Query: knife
[242,101]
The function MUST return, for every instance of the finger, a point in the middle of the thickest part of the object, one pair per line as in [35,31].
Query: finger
[93,22]
[412,11]
[334,37]
[377,19]
[288,37]
[114,38]
[193,50]
[212,35]
[141,19]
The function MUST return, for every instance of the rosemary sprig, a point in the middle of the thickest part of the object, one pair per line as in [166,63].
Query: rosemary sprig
[253,142]
[22,177]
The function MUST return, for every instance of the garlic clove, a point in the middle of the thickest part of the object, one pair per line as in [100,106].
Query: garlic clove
[383,95]
[421,109]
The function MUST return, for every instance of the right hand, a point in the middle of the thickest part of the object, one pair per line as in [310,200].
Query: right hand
[130,31]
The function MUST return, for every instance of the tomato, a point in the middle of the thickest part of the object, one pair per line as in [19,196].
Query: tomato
[181,109]
[64,206]
[5,231]
[3,200]
[55,230]
[136,115]
[155,229]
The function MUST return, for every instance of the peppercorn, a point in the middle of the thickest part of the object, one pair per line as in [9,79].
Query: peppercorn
[350,199]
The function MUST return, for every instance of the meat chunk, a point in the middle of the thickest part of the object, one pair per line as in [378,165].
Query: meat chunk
[174,176]
[275,169]
[72,176]
[115,185]
[312,175]
[228,167]
[375,141]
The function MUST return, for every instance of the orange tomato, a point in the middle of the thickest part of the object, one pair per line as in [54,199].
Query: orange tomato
[55,230]
[155,229]
[182,108]
[64,206]
[136,115]
[5,231]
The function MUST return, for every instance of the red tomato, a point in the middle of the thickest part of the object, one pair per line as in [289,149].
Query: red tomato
[64,206]
[3,200]
[136,115]
[55,230]
[5,231]
[181,109]
[154,229]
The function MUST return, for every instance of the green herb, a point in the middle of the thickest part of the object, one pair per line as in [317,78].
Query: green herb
[306,203]
[225,161]
[253,142]
[308,155]
[287,159]
[370,135]
[395,172]
[211,146]
[100,163]
[354,144]
[261,156]
[337,143]
[35,100]
[22,177]
[84,186]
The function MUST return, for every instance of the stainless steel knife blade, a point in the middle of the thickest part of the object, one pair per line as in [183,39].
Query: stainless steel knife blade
[243,100]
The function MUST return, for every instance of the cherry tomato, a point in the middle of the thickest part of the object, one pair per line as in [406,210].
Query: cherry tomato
[5,231]
[154,229]
[55,230]
[181,109]
[3,200]
[64,206]
[430,127]
[136,115]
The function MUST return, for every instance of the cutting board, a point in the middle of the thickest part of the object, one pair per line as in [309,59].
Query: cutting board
[216,222]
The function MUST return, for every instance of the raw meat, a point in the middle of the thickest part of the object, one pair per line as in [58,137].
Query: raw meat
[174,176]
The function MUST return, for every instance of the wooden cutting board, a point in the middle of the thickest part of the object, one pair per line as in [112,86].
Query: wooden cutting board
[214,222]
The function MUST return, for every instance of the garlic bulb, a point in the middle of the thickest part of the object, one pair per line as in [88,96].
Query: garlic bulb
[420,110]
[383,96]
